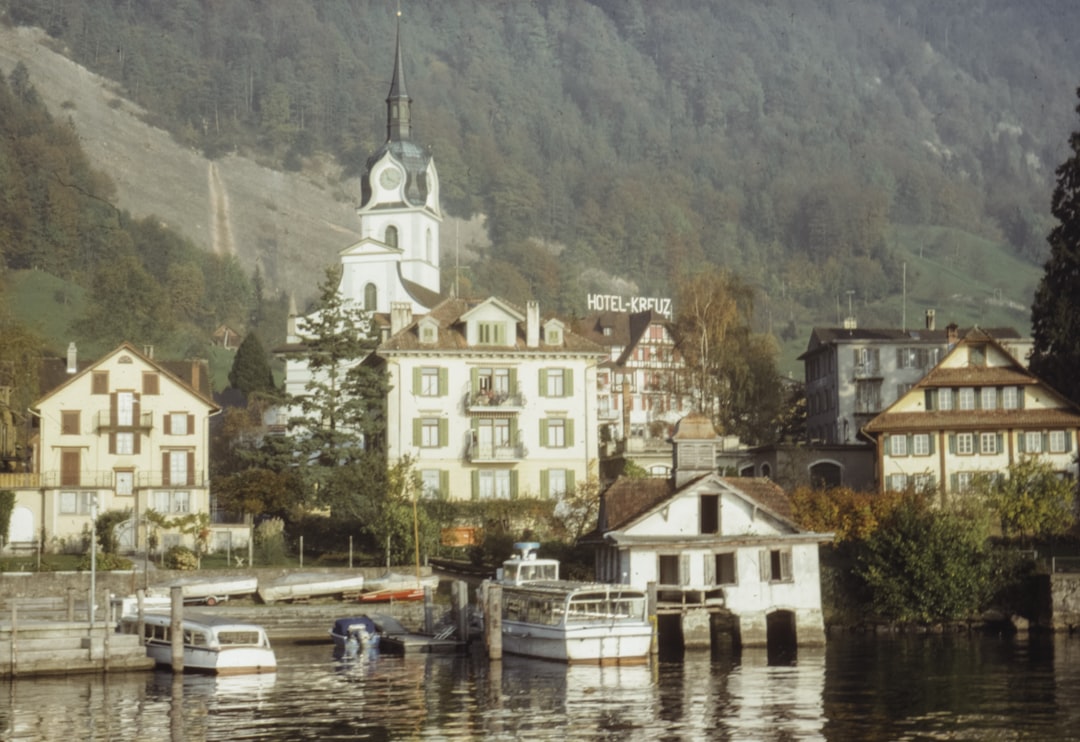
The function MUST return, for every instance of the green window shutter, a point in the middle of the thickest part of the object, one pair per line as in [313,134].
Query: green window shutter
[931,436]
[568,382]
[475,424]
[474,381]
[952,442]
[569,480]
[475,484]
[954,482]
[569,433]
[1000,443]
[1068,441]
[929,399]
[1046,442]
[444,484]
[543,432]
[886,446]
[513,484]
[513,381]
[444,382]
[1020,398]
[417,426]
[907,445]
[545,487]
[1020,442]
[444,432]
[543,382]
[417,376]
[515,436]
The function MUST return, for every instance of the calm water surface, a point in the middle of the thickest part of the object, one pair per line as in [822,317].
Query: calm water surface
[908,688]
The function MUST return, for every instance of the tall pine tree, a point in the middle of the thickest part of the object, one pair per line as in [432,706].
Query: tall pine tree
[1055,314]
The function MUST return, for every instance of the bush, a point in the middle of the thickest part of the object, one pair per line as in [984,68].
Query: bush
[182,558]
[106,562]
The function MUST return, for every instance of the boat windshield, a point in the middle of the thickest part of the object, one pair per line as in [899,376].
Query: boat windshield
[590,607]
[520,572]
[235,637]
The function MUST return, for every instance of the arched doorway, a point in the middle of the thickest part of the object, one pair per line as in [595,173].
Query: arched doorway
[781,636]
[825,474]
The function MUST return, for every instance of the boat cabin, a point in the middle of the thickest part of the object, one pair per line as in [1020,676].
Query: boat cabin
[526,567]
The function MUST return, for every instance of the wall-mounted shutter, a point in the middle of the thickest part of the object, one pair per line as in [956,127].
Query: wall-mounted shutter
[1021,444]
[929,399]
[931,437]
[1020,398]
[444,484]
[417,427]
[1068,441]
[684,569]
[709,564]
[785,565]
[444,382]
[954,482]
[513,381]
[444,432]
[764,565]
[545,488]
[568,382]
[513,484]
[474,380]
[112,443]
[1000,443]
[543,431]
[952,442]
[569,480]
[475,484]
[569,424]
[417,379]
[543,382]
[190,468]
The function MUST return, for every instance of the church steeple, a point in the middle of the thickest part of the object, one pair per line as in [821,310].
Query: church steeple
[398,103]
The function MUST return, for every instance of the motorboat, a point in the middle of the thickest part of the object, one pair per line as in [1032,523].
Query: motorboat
[210,590]
[569,621]
[354,633]
[393,587]
[304,585]
[211,643]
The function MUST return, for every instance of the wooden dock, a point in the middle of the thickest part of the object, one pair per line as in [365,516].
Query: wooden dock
[37,647]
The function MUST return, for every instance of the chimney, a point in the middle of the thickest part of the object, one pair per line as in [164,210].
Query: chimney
[400,316]
[929,319]
[532,324]
[72,358]
[195,375]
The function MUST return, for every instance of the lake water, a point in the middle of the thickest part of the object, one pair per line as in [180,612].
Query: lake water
[857,688]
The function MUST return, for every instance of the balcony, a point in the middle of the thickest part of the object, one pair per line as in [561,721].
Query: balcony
[677,598]
[494,452]
[867,371]
[104,422]
[103,479]
[489,401]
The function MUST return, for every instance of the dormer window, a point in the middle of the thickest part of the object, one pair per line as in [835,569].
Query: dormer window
[553,333]
[428,333]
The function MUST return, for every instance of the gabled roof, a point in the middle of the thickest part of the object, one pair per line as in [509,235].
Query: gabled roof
[451,315]
[193,375]
[897,417]
[628,501]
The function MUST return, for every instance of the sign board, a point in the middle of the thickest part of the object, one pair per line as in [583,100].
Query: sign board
[628,304]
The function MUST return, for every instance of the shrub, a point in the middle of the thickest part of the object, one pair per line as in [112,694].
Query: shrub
[182,558]
[106,562]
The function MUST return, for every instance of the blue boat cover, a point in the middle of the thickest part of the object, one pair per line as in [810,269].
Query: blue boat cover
[343,626]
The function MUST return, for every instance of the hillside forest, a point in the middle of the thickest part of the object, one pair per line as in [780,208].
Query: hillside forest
[829,153]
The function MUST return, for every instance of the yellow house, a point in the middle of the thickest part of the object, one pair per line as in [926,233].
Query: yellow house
[123,433]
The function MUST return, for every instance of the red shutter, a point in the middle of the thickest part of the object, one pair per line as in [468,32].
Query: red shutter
[112,443]
[190,424]
[138,442]
[191,468]
[112,409]
[165,468]
[167,422]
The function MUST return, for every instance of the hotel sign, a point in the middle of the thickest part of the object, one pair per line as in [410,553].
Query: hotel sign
[628,304]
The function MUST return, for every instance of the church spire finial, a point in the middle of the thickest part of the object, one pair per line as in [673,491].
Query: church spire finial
[398,102]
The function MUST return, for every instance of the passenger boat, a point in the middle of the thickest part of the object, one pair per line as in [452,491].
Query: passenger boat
[568,621]
[354,633]
[303,585]
[212,643]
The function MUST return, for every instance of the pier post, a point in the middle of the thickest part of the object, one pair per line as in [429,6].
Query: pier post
[108,627]
[176,633]
[493,621]
[140,604]
[459,598]
[429,608]
[654,647]
[14,632]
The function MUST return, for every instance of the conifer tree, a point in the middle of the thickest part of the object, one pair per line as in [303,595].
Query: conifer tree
[1055,313]
[250,371]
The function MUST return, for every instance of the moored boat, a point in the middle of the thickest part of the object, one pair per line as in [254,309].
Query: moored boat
[211,590]
[303,585]
[569,621]
[212,643]
[354,633]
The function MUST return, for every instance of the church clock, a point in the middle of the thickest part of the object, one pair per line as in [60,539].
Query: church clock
[390,178]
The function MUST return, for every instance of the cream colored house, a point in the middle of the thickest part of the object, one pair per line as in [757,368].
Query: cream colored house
[490,402]
[125,433]
[978,411]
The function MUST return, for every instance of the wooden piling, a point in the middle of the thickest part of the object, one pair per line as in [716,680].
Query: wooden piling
[176,633]
[14,644]
[459,599]
[493,621]
[140,607]
[654,647]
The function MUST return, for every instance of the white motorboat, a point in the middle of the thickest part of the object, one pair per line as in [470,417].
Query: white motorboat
[303,585]
[549,618]
[210,590]
[212,643]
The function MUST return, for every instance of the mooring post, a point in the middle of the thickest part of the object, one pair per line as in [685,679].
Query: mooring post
[140,602]
[14,631]
[176,632]
[459,596]
[107,632]
[429,608]
[654,646]
[493,621]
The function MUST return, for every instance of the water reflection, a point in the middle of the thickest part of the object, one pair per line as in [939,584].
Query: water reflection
[865,688]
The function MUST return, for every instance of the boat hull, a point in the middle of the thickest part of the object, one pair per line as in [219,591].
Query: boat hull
[302,586]
[232,661]
[605,644]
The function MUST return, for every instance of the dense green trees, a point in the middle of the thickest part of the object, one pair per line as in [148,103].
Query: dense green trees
[1055,314]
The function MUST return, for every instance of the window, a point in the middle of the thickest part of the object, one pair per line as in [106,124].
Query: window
[491,333]
[923,482]
[125,409]
[1059,443]
[75,503]
[555,436]
[166,501]
[371,295]
[709,512]
[724,569]
[920,444]
[178,424]
[69,422]
[669,572]
[181,502]
[898,482]
[429,432]
[150,382]
[898,445]
[988,443]
[945,399]
[433,483]
[494,484]
[902,389]
[392,236]
[427,333]
[178,467]
[555,382]
[868,396]
[989,398]
[1033,442]
[967,398]
[965,443]
[776,565]
[125,444]
[429,382]
[99,383]
[125,482]
[492,385]
[964,480]
[555,482]
[1009,398]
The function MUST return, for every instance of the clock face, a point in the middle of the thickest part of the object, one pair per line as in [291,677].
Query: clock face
[390,177]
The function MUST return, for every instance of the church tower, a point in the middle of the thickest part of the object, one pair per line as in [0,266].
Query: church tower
[397,257]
